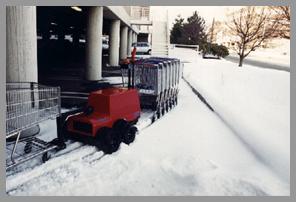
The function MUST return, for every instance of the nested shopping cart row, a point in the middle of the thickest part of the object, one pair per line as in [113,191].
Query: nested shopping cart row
[157,80]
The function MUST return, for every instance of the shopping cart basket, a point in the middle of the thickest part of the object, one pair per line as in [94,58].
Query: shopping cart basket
[28,104]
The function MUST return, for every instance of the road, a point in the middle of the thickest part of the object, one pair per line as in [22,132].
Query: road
[259,63]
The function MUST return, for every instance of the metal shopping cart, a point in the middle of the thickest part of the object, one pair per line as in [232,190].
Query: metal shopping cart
[27,105]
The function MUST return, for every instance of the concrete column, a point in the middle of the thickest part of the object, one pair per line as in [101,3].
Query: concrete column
[135,37]
[123,42]
[94,43]
[21,44]
[129,42]
[114,43]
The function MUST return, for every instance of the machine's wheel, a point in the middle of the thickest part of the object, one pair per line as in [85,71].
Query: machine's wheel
[130,135]
[28,148]
[136,121]
[107,140]
[45,157]
[120,127]
[120,124]
[125,131]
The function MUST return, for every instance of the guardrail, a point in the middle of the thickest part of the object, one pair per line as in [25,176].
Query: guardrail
[196,47]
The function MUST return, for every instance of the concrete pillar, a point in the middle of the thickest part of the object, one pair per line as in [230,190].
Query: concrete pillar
[21,44]
[114,43]
[123,42]
[129,42]
[94,43]
[135,37]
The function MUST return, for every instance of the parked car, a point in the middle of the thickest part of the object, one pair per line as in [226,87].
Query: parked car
[105,44]
[210,56]
[142,47]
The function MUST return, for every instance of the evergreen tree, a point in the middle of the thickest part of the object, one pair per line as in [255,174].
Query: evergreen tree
[194,29]
[177,30]
[190,32]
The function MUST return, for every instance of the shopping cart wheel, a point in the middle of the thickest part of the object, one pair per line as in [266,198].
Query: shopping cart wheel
[153,119]
[28,147]
[163,110]
[158,114]
[45,157]
[59,143]
[167,107]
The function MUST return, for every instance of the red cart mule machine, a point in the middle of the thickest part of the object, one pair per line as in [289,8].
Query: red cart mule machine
[107,120]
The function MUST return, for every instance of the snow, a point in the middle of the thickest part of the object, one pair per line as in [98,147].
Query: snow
[241,149]
[254,102]
[277,53]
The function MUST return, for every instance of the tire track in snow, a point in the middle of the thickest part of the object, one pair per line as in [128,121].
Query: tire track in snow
[85,153]
[21,178]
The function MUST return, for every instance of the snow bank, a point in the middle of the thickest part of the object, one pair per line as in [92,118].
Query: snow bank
[254,102]
[278,53]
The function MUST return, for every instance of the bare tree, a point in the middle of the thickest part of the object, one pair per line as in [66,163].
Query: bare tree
[250,28]
[214,30]
[282,14]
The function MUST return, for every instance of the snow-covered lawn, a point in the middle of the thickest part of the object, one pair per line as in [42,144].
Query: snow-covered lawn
[278,53]
[254,102]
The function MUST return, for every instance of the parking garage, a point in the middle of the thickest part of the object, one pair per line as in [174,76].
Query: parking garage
[64,46]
